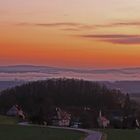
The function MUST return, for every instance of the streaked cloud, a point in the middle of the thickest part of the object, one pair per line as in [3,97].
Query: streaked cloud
[112,38]
[107,36]
[115,38]
[128,41]
[71,29]
[65,25]
[81,26]
[119,24]
[59,24]
[55,24]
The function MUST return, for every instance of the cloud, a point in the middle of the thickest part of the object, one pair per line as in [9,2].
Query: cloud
[74,26]
[77,27]
[107,36]
[71,29]
[126,24]
[59,24]
[116,38]
[126,41]
[65,25]
[118,24]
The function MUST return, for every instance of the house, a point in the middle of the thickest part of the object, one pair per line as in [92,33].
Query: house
[103,122]
[62,118]
[15,110]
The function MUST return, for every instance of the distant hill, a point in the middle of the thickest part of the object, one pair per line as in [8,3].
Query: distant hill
[60,92]
[9,84]
[31,73]
[26,68]
[47,69]
[124,86]
[40,99]
[125,79]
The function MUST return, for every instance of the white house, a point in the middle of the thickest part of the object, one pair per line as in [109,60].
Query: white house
[103,122]
[62,119]
[16,111]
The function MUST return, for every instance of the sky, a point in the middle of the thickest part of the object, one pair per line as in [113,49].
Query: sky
[70,33]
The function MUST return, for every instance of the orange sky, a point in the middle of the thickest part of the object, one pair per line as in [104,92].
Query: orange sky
[70,33]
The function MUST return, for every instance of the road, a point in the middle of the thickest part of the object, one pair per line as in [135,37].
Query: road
[91,135]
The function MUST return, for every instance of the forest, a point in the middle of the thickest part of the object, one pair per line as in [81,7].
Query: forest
[40,98]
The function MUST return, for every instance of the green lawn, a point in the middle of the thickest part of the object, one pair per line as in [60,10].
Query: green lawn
[7,120]
[15,132]
[117,134]
[10,131]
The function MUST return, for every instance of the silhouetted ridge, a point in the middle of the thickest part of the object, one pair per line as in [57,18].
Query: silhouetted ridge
[60,92]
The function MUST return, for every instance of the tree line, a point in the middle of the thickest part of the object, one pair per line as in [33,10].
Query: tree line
[39,98]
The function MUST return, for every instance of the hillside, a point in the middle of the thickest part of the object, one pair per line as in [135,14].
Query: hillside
[124,86]
[14,132]
[41,98]
[8,120]
[61,92]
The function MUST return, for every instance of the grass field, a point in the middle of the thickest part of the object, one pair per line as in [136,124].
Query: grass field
[117,134]
[10,131]
[15,132]
[7,120]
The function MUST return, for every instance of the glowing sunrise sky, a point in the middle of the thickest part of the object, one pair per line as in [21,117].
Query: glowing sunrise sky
[70,33]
